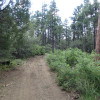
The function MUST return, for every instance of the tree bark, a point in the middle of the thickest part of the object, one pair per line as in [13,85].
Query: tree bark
[94,36]
[53,44]
[98,39]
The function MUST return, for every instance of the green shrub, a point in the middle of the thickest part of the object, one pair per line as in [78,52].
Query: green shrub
[28,51]
[15,63]
[56,61]
[70,57]
[76,70]
[38,50]
[12,66]
[48,48]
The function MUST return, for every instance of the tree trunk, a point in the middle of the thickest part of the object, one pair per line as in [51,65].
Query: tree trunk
[66,38]
[94,37]
[45,38]
[53,43]
[73,36]
[98,39]
[48,36]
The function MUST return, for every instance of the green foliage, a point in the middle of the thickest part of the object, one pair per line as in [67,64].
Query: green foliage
[76,70]
[14,63]
[48,48]
[71,57]
[84,25]
[56,61]
[38,50]
[52,31]
[30,50]
[13,24]
[29,47]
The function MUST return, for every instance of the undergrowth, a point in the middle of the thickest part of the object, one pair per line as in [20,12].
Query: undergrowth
[76,70]
[13,64]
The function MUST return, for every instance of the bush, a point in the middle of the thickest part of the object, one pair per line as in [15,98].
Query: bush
[11,66]
[76,70]
[27,51]
[48,48]
[38,50]
[56,61]
[71,57]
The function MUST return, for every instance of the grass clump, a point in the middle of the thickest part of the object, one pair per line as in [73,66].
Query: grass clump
[76,70]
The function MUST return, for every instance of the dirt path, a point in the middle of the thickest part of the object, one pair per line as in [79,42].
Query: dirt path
[33,81]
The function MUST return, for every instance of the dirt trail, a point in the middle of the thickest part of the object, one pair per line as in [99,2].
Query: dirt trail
[33,81]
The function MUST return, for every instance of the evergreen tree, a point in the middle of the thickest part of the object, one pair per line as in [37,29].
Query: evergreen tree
[13,24]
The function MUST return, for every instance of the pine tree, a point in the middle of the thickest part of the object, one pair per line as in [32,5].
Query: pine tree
[14,20]
[53,19]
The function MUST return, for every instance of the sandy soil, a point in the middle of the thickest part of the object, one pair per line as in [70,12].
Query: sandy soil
[33,81]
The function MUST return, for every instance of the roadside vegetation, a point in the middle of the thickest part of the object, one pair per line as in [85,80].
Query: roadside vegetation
[7,64]
[76,71]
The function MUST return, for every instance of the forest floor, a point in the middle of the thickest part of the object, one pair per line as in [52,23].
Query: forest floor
[32,81]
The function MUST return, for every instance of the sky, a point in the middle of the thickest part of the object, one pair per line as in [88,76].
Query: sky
[5,2]
[66,7]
